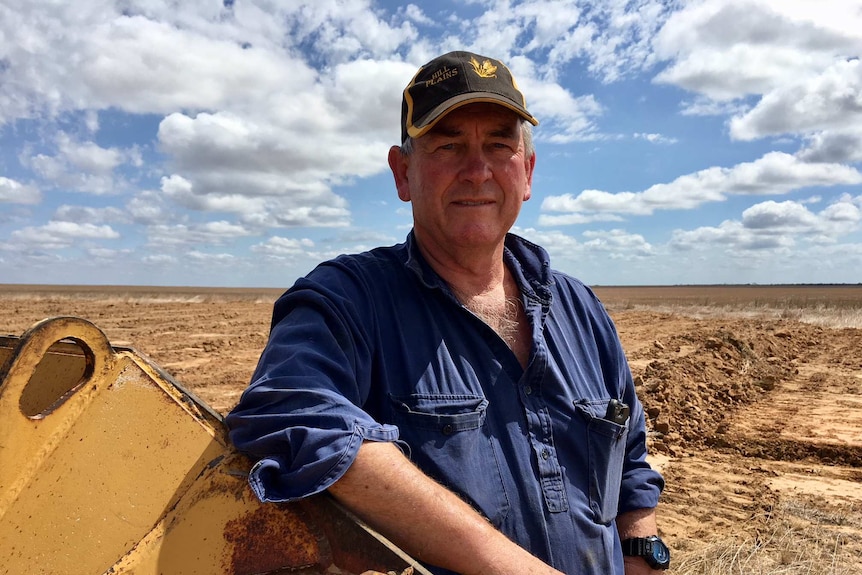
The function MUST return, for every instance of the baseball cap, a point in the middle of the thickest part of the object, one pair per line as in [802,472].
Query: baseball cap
[453,80]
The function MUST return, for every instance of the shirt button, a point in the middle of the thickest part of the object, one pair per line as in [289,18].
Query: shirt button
[545,454]
[528,390]
[448,429]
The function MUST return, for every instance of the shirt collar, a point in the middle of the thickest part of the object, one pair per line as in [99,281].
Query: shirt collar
[529,263]
[531,267]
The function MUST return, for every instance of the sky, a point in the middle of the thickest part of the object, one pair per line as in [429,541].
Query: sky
[240,143]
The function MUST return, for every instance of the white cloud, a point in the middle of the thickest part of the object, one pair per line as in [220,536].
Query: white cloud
[776,225]
[624,44]
[596,249]
[775,173]
[163,236]
[617,243]
[555,242]
[576,217]
[613,36]
[133,63]
[160,259]
[704,106]
[91,121]
[278,164]
[827,101]
[839,145]
[415,14]
[730,236]
[81,166]
[88,156]
[90,215]
[58,235]
[13,192]
[201,257]
[148,207]
[345,29]
[784,216]
[160,58]
[107,253]
[728,49]
[281,247]
[655,138]
[531,25]
[564,118]
[295,207]
[778,67]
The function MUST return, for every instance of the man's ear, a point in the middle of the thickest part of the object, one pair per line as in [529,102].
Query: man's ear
[398,163]
[531,165]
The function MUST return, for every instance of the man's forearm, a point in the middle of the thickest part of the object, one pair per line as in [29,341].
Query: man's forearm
[637,523]
[430,522]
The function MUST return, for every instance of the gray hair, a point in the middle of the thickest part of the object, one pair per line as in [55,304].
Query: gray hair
[526,133]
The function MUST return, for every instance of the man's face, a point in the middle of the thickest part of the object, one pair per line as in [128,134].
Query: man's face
[466,178]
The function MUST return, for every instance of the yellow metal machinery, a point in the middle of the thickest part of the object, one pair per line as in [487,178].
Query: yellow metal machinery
[108,466]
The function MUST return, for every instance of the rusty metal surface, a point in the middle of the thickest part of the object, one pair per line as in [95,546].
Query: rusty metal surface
[107,465]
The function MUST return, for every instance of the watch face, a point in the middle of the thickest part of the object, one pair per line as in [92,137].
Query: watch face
[660,554]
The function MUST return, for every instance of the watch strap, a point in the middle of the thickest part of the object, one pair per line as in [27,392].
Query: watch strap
[637,546]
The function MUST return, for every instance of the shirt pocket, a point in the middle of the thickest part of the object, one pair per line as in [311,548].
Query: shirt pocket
[449,441]
[606,443]
[445,414]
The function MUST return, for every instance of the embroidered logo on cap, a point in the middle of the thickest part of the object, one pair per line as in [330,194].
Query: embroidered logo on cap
[441,74]
[484,70]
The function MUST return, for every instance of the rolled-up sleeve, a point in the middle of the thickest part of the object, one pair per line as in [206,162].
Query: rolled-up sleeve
[641,484]
[301,417]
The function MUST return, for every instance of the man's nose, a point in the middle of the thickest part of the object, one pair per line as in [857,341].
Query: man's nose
[476,167]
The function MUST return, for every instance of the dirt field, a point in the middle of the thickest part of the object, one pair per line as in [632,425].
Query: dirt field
[756,415]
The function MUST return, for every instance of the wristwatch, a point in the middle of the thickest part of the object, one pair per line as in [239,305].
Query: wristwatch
[651,548]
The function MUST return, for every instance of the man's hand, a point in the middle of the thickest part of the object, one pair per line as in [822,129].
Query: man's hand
[384,489]
[639,566]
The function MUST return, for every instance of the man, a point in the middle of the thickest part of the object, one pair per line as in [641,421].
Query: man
[454,391]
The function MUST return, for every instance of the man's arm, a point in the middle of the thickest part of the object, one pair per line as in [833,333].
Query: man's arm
[637,523]
[427,520]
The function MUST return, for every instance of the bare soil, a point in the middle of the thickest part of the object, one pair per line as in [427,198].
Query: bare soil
[748,417]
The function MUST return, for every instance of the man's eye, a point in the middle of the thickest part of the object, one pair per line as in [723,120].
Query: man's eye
[449,146]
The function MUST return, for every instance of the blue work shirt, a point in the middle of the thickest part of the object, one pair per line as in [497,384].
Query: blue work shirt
[375,347]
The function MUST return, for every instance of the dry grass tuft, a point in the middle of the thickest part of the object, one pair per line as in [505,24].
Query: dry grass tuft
[798,538]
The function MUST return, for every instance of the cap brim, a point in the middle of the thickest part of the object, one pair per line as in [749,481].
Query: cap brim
[418,129]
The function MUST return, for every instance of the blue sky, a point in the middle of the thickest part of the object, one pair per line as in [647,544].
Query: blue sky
[239,143]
